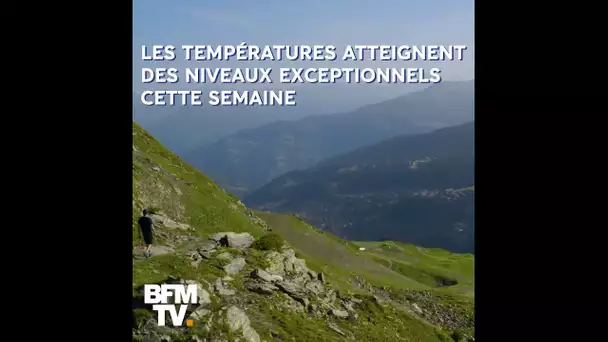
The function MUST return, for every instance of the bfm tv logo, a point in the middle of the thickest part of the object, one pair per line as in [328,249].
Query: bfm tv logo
[181,294]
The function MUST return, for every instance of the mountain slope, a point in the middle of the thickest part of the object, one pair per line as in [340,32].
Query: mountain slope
[248,159]
[186,128]
[260,276]
[418,189]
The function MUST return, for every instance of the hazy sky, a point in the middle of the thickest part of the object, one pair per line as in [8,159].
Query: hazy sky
[336,22]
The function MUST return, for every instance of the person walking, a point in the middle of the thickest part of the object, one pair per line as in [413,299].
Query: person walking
[146,228]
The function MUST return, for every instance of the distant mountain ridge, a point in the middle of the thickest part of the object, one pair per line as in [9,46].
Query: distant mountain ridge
[251,158]
[184,129]
[418,189]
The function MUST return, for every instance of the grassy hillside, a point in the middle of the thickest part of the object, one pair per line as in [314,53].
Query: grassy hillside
[388,263]
[163,181]
[332,292]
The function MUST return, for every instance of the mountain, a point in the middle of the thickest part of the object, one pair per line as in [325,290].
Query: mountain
[183,129]
[249,159]
[418,189]
[187,128]
[274,277]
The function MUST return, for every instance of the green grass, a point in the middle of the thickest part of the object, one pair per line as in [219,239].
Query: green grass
[198,200]
[424,264]
[163,182]
[375,323]
[337,258]
[160,268]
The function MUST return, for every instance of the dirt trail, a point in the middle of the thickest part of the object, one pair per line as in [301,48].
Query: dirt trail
[138,252]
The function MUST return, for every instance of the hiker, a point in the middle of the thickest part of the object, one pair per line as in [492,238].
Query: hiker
[146,227]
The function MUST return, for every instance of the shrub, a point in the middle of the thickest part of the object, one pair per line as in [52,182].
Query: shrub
[458,336]
[269,242]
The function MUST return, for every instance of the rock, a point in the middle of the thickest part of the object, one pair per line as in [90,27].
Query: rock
[442,282]
[199,313]
[275,262]
[155,332]
[330,297]
[202,294]
[322,278]
[259,287]
[417,308]
[295,291]
[303,300]
[293,305]
[166,222]
[221,289]
[195,257]
[300,279]
[234,240]
[224,256]
[235,266]
[348,306]
[261,274]
[335,328]
[237,320]
[227,278]
[312,274]
[339,313]
[314,287]
[291,288]
[207,254]
[276,277]
[293,264]
[206,246]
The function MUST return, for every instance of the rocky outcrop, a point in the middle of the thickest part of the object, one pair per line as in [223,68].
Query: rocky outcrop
[339,313]
[289,275]
[430,307]
[287,285]
[292,264]
[221,288]
[257,220]
[238,320]
[321,278]
[203,296]
[165,222]
[261,287]
[275,263]
[200,251]
[235,266]
[199,313]
[234,240]
[206,249]
[261,274]
[150,331]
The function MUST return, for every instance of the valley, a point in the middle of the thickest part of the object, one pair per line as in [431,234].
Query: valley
[414,188]
[268,276]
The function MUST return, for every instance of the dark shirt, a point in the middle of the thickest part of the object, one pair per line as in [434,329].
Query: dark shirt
[145,222]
